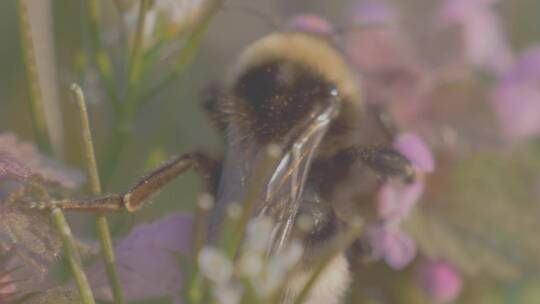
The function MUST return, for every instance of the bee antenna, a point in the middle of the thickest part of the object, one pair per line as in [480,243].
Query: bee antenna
[272,21]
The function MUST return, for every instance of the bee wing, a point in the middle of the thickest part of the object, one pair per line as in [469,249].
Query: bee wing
[285,189]
[281,195]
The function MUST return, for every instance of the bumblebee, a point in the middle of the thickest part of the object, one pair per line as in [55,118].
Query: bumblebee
[295,90]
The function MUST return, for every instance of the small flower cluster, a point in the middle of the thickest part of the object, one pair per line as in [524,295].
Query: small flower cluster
[148,268]
[440,281]
[21,160]
[264,274]
[395,201]
[165,18]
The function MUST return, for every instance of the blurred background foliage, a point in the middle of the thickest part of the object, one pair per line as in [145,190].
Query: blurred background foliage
[487,194]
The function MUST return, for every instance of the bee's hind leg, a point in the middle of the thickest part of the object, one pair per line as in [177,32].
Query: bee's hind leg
[149,184]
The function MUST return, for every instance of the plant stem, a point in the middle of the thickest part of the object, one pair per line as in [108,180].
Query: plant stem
[39,124]
[233,236]
[73,257]
[101,57]
[187,53]
[44,144]
[135,62]
[126,114]
[95,186]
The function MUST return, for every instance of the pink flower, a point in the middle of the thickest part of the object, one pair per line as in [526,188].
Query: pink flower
[21,159]
[311,23]
[391,244]
[146,260]
[484,40]
[6,288]
[396,200]
[391,73]
[10,168]
[440,280]
[516,98]
[373,12]
[416,150]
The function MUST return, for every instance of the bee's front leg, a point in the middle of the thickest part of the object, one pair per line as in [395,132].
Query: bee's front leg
[385,162]
[149,184]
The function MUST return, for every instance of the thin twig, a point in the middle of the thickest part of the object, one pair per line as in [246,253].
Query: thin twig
[102,59]
[122,128]
[39,124]
[135,58]
[73,257]
[126,112]
[44,144]
[187,53]
[95,186]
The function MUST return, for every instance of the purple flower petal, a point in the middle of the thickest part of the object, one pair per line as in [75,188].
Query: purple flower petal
[401,250]
[458,11]
[517,106]
[373,12]
[395,247]
[311,23]
[516,99]
[6,287]
[396,200]
[416,150]
[27,154]
[9,167]
[440,281]
[484,39]
[391,73]
[146,261]
[527,69]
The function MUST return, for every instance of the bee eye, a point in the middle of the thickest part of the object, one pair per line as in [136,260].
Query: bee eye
[334,92]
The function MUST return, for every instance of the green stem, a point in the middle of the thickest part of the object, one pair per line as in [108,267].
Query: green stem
[187,53]
[121,132]
[39,124]
[40,128]
[101,57]
[73,257]
[135,58]
[95,186]
[233,236]
[125,115]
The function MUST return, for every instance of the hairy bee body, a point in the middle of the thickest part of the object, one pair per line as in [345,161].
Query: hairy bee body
[278,83]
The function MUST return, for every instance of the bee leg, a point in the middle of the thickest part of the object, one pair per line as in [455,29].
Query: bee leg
[149,184]
[385,162]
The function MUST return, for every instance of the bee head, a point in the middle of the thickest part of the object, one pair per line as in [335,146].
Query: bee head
[284,77]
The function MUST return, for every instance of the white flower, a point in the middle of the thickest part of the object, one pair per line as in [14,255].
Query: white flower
[288,257]
[171,15]
[215,265]
[268,282]
[228,293]
[250,264]
[205,201]
[258,233]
